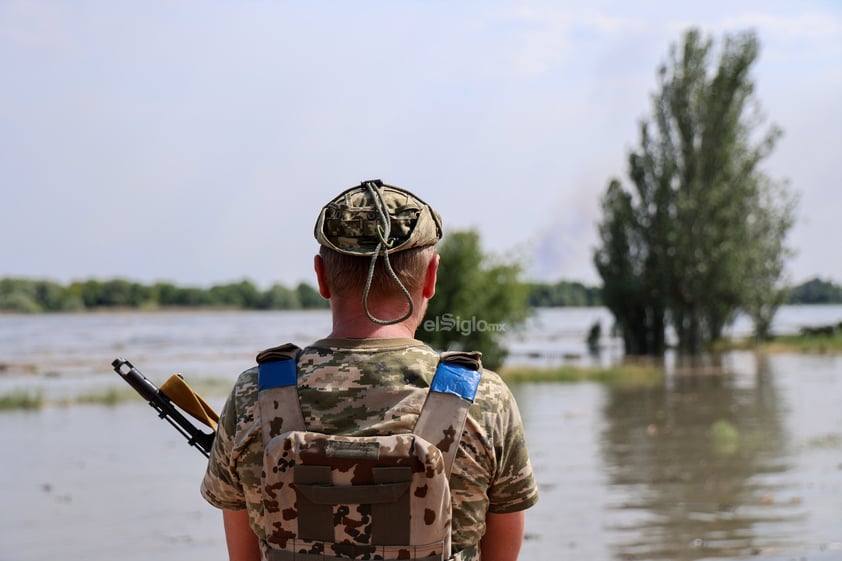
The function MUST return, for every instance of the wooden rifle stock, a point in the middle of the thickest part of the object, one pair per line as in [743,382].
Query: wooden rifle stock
[164,406]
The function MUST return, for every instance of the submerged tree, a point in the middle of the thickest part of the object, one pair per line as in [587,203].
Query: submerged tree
[701,234]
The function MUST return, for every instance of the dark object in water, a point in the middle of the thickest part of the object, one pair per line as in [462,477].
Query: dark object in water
[821,330]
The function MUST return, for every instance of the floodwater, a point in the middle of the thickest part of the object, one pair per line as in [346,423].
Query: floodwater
[741,458]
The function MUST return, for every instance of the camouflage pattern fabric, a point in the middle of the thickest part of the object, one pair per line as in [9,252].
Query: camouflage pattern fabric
[359,387]
[379,479]
[349,223]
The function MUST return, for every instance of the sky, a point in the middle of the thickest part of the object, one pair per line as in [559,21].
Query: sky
[195,142]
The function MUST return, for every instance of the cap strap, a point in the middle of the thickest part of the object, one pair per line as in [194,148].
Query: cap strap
[383,231]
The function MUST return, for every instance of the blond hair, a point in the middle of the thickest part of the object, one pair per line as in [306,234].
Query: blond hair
[346,274]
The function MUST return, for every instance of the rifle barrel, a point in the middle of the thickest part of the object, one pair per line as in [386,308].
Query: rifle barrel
[161,403]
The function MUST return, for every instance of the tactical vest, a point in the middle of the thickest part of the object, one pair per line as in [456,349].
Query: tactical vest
[331,498]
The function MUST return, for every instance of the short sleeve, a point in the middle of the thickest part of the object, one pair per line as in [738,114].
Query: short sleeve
[513,486]
[220,485]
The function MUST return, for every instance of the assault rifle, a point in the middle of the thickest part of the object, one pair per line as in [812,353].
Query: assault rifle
[174,391]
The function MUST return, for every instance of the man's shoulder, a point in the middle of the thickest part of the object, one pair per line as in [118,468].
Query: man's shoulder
[246,384]
[493,394]
[331,345]
[386,352]
[492,390]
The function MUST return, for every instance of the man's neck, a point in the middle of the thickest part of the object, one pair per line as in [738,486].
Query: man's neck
[351,322]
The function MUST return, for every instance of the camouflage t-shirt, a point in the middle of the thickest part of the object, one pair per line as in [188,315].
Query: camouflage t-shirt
[371,387]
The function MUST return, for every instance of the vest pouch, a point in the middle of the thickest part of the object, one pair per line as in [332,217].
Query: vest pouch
[342,497]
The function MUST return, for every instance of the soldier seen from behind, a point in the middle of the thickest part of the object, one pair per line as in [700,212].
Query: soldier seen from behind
[368,444]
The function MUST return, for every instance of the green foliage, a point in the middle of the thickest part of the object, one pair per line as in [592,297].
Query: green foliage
[563,293]
[189,297]
[279,297]
[241,294]
[621,375]
[630,290]
[700,236]
[108,396]
[24,296]
[19,302]
[816,291]
[478,300]
[725,437]
[309,297]
[30,400]
[810,343]
[33,296]
[21,399]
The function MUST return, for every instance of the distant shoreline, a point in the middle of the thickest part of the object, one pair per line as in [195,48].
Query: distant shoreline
[22,295]
[218,309]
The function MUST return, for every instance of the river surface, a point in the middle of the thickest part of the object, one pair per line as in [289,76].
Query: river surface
[740,458]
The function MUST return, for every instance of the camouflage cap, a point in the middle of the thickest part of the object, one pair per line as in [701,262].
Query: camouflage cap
[353,224]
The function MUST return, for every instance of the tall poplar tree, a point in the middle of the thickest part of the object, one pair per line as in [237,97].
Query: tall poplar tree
[704,225]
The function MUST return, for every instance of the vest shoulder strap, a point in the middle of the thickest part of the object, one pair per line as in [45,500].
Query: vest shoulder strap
[277,396]
[445,410]
[442,417]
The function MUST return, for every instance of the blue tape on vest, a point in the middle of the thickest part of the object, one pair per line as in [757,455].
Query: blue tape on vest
[276,373]
[455,379]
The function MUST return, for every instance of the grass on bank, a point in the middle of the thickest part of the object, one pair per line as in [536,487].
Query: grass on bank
[208,388]
[107,396]
[804,344]
[627,375]
[21,399]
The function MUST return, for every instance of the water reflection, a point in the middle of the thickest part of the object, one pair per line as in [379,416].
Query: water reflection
[695,466]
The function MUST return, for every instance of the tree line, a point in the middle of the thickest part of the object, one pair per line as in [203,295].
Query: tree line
[33,295]
[816,291]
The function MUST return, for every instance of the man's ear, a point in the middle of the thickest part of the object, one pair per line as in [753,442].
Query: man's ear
[429,289]
[319,266]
